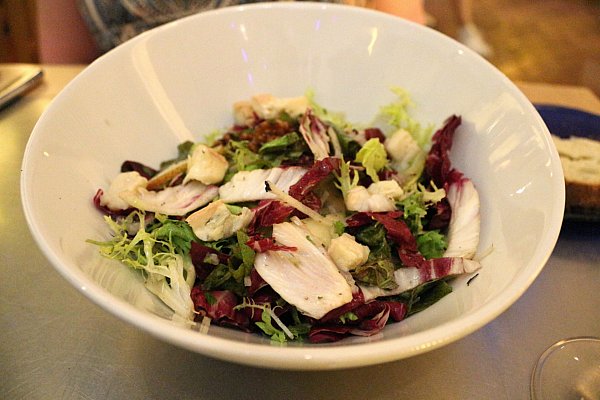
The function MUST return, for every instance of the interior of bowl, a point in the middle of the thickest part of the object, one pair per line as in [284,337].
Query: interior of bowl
[179,82]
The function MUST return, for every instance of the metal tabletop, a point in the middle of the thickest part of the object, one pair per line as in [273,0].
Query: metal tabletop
[56,344]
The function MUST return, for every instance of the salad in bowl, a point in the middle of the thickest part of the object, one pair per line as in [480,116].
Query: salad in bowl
[296,224]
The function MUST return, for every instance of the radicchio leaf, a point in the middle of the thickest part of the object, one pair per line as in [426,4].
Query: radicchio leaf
[262,244]
[438,166]
[397,231]
[199,253]
[256,282]
[335,314]
[440,215]
[314,132]
[328,333]
[143,170]
[370,319]
[269,213]
[107,211]
[371,133]
[266,297]
[219,305]
[303,189]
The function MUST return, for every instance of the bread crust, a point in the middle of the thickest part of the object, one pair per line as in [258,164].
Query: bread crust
[580,159]
[582,198]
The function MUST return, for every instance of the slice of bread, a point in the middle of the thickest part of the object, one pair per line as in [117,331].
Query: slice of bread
[580,159]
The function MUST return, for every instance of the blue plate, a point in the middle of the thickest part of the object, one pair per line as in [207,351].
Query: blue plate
[566,122]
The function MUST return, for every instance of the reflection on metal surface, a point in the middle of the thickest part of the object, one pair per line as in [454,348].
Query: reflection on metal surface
[16,79]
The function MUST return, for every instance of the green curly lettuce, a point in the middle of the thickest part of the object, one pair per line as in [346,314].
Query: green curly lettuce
[160,250]
[373,157]
[397,115]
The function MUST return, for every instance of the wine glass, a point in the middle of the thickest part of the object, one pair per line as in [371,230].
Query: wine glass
[569,369]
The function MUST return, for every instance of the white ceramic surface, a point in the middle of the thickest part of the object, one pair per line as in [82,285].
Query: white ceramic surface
[179,81]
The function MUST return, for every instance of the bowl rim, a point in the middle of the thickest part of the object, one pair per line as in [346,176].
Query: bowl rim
[310,357]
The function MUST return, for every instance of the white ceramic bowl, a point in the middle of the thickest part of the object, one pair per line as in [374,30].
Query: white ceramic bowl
[179,81]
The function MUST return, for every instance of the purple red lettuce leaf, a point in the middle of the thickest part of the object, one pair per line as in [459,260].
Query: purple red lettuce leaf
[437,165]
[198,254]
[397,232]
[320,170]
[256,282]
[439,216]
[268,213]
[371,133]
[262,244]
[368,319]
[271,212]
[114,214]
[219,306]
[144,170]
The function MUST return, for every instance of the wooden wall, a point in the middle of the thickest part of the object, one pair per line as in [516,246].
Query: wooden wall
[18,35]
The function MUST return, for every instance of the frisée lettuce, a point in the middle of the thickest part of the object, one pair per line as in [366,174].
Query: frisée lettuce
[160,249]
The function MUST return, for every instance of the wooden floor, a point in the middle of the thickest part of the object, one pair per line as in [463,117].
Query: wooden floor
[556,41]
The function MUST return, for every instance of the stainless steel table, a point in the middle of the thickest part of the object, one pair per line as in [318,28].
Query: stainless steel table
[55,344]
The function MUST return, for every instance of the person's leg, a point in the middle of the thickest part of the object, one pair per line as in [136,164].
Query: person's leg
[468,33]
[463,10]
